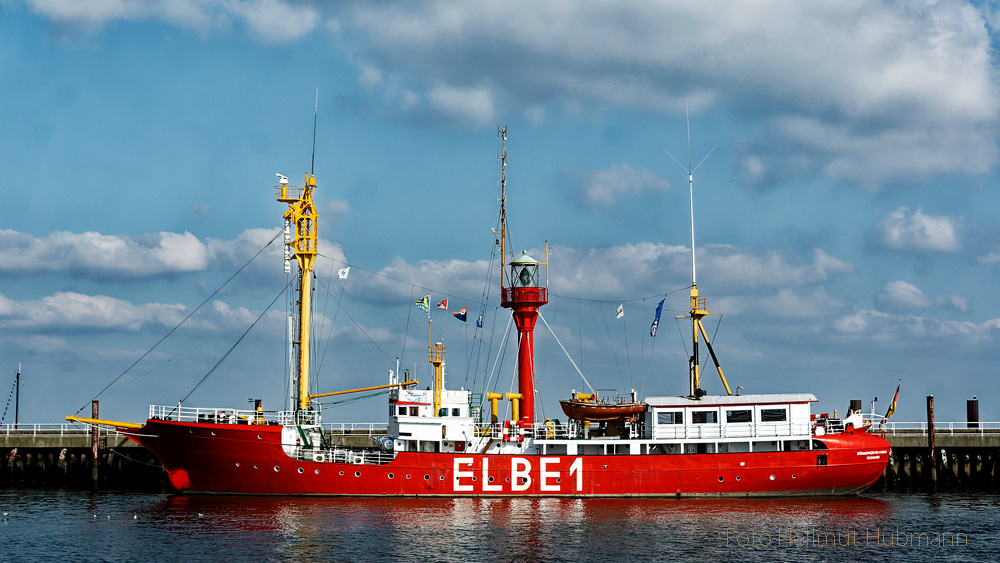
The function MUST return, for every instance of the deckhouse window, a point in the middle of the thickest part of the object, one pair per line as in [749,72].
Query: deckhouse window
[773,415]
[455,412]
[705,417]
[414,411]
[672,417]
[402,411]
[735,417]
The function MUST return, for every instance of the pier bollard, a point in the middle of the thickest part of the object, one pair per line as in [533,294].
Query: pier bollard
[972,413]
[932,461]
[93,444]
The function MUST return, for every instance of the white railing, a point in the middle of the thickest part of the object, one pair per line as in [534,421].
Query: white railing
[211,415]
[705,431]
[354,456]
[52,429]
[891,427]
[358,428]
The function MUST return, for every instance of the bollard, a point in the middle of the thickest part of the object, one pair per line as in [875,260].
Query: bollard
[932,461]
[972,412]
[93,444]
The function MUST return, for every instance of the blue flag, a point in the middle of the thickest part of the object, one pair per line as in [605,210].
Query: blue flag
[656,321]
[479,321]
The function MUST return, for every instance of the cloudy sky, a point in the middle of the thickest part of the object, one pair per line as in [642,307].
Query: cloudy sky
[846,215]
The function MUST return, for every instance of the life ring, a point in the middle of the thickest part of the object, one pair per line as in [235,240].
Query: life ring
[319,457]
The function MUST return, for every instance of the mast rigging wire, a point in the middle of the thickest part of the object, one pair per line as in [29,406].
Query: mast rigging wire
[196,309]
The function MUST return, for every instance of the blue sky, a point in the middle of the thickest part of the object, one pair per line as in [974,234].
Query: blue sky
[846,222]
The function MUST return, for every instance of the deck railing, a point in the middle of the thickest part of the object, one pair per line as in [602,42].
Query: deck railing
[52,429]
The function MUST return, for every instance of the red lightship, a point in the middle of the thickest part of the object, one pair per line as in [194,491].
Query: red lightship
[437,444]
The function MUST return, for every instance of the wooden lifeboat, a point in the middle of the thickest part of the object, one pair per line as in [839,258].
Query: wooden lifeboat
[589,410]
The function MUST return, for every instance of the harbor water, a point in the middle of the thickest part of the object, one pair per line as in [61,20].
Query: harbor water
[70,525]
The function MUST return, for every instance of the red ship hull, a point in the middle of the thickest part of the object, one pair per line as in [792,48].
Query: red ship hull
[246,459]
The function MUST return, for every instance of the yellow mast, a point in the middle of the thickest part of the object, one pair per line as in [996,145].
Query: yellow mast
[436,356]
[301,218]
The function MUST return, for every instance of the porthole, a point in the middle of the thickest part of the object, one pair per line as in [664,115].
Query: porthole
[357,474]
[721,478]
[301,471]
[190,431]
[390,475]
[341,473]
[441,478]
[427,477]
[491,478]
[742,463]
[255,466]
[276,469]
[507,479]
[772,477]
[213,432]
[316,471]
[237,464]
[473,478]
[407,476]
[259,437]
[793,475]
[737,477]
[558,479]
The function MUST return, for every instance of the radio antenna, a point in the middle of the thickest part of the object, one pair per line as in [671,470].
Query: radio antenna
[312,166]
[690,173]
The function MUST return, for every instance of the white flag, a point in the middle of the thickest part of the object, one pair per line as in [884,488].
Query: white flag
[620,312]
[342,274]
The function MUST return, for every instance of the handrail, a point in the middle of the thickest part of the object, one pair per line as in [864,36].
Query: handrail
[52,429]
[889,427]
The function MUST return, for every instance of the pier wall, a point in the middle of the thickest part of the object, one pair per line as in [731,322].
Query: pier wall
[964,460]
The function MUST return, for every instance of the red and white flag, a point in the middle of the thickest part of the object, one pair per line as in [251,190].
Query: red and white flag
[443,305]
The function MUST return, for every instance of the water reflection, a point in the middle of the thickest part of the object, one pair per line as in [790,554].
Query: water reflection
[131,527]
[547,529]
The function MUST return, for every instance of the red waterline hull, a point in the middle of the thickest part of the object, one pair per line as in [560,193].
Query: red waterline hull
[243,459]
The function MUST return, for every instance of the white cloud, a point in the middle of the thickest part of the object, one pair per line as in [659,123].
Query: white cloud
[335,209]
[369,77]
[275,21]
[865,92]
[919,232]
[901,296]
[75,311]
[272,21]
[786,302]
[601,186]
[95,255]
[749,267]
[897,329]
[473,106]
[989,258]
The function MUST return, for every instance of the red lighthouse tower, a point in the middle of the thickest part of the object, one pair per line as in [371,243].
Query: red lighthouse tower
[524,296]
[521,291]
